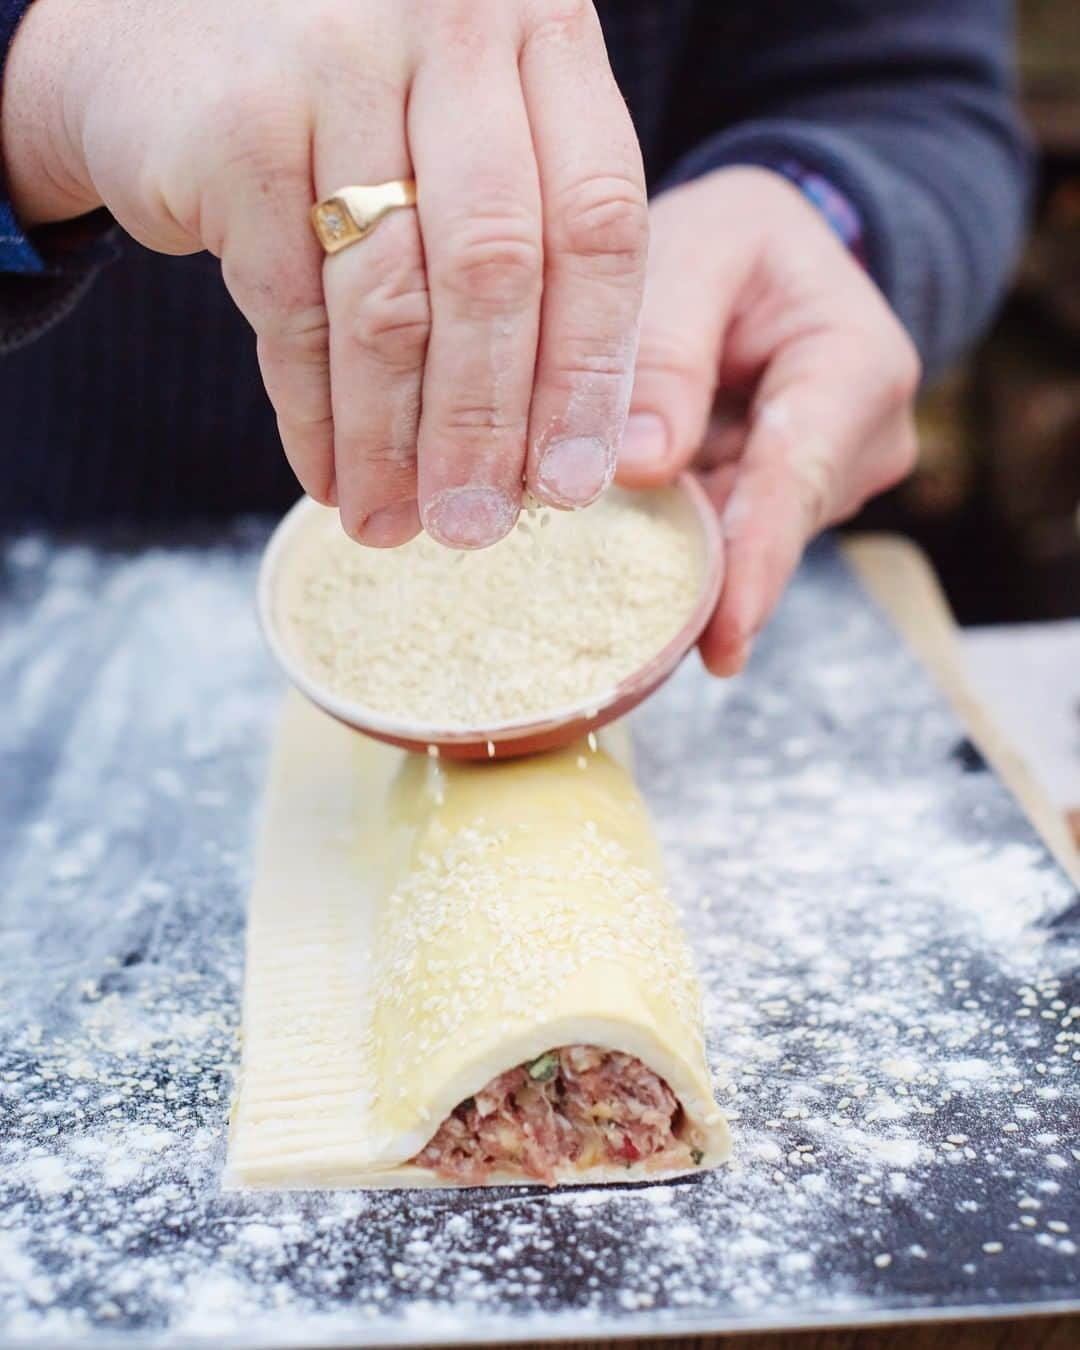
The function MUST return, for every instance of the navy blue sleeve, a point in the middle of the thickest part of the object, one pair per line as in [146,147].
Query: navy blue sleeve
[906,107]
[43,274]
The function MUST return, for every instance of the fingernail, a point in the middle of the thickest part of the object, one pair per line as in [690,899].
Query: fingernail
[390,525]
[644,442]
[469,517]
[574,472]
[731,662]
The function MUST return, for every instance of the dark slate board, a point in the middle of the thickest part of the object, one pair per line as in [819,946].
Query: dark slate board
[888,952]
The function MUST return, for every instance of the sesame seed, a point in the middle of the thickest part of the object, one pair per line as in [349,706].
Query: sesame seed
[400,632]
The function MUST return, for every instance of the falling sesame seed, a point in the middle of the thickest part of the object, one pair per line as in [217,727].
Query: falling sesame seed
[882,1260]
[992,1248]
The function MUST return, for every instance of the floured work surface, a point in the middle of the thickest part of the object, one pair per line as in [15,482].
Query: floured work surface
[888,955]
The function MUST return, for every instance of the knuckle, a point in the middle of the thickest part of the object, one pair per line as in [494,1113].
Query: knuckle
[481,421]
[460,18]
[283,304]
[815,476]
[348,48]
[559,14]
[391,333]
[493,263]
[900,372]
[326,32]
[669,356]
[253,124]
[300,333]
[908,375]
[390,323]
[307,424]
[605,220]
[384,461]
[591,363]
[908,448]
[903,456]
[594,368]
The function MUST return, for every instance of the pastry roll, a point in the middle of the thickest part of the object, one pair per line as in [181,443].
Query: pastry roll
[463,975]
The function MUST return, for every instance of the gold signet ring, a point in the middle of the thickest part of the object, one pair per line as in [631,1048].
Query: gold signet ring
[353,212]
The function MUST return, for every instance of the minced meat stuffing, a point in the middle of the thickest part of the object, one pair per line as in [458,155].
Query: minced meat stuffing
[579,1106]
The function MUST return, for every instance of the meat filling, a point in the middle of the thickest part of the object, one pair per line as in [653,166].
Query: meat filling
[579,1106]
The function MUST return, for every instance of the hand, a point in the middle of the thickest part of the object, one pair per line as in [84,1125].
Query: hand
[484,340]
[769,357]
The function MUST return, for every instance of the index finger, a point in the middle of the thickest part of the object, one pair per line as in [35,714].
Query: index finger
[596,229]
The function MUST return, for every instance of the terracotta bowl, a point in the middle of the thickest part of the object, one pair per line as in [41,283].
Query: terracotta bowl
[684,502]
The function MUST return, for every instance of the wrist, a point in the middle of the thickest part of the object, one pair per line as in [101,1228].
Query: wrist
[833,205]
[44,177]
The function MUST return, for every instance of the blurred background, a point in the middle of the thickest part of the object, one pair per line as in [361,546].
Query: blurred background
[995,499]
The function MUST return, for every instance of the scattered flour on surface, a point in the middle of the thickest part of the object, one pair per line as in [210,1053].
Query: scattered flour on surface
[896,1028]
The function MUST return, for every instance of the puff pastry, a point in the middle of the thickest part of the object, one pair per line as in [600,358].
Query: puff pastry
[462,974]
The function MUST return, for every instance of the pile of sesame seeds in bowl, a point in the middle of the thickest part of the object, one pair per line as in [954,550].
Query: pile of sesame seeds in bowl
[549,621]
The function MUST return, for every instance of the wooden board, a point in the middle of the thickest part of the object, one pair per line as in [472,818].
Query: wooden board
[1034,1333]
[899,577]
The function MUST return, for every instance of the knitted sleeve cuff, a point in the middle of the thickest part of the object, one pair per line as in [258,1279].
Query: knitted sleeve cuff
[838,175]
[939,274]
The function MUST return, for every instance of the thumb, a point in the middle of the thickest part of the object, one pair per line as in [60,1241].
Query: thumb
[793,478]
[683,319]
